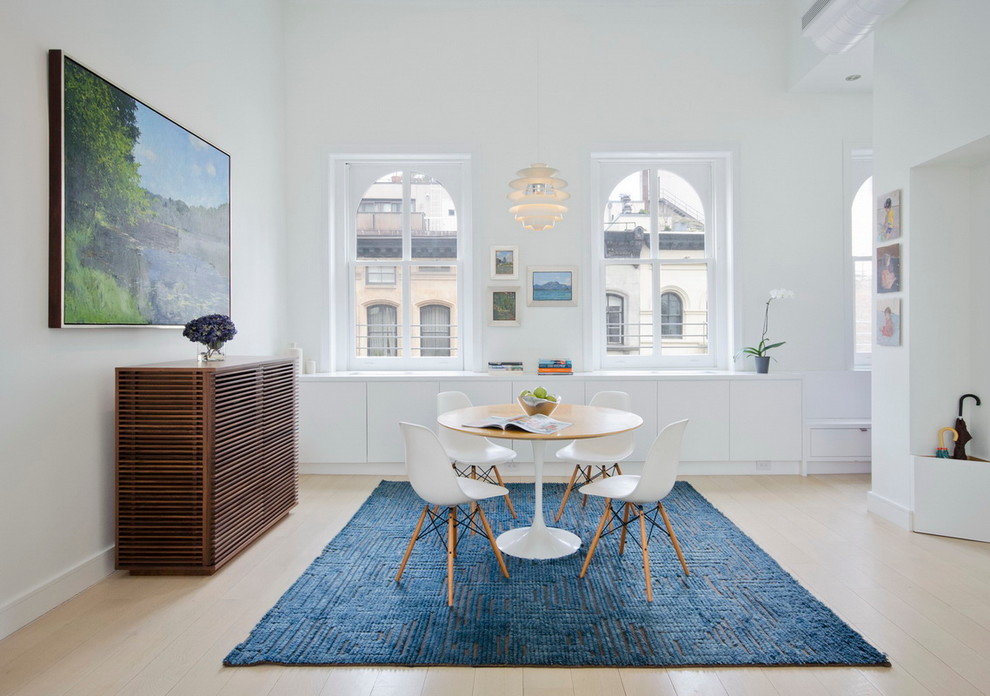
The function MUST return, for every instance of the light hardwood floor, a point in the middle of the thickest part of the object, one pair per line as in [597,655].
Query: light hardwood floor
[923,600]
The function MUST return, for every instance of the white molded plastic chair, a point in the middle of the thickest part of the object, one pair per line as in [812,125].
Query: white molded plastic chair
[435,482]
[659,474]
[472,456]
[605,453]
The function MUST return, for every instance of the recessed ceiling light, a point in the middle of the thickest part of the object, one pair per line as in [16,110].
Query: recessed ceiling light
[852,78]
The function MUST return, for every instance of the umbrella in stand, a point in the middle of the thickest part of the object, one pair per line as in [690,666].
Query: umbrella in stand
[942,452]
[959,452]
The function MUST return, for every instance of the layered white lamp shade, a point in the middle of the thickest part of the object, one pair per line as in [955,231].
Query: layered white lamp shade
[537,196]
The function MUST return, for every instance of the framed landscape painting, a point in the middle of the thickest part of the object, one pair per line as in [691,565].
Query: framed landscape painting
[552,286]
[504,306]
[139,223]
[505,263]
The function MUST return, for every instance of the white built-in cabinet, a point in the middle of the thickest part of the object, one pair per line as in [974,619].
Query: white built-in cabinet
[706,405]
[745,418]
[765,422]
[333,422]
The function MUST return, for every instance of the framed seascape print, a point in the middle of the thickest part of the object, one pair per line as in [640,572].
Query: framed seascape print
[139,222]
[888,322]
[504,306]
[552,286]
[889,216]
[889,268]
[505,263]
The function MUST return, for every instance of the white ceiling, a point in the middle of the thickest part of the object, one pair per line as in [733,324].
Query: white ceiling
[829,74]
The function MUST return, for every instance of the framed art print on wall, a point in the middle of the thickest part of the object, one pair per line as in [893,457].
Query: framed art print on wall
[503,306]
[139,221]
[505,263]
[889,216]
[552,286]
[888,322]
[889,268]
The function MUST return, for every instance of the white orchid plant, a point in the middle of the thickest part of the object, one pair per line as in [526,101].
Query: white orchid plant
[760,349]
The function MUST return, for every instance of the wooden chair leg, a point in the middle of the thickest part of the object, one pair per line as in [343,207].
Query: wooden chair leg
[587,477]
[625,524]
[508,500]
[451,545]
[598,535]
[474,475]
[673,538]
[412,542]
[646,554]
[491,539]
[567,494]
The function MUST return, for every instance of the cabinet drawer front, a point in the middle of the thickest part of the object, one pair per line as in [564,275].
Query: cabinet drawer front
[840,442]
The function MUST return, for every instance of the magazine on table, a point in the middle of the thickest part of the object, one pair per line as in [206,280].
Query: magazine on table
[537,423]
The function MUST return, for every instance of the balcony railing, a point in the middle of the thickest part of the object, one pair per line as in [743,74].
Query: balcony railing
[386,340]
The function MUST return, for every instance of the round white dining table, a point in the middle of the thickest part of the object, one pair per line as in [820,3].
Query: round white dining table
[538,540]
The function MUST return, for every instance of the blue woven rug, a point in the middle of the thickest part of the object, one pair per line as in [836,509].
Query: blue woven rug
[738,607]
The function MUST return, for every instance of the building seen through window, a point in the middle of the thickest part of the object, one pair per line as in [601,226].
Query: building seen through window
[656,251]
[405,269]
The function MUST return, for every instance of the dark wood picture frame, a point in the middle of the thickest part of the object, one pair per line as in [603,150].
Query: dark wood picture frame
[139,210]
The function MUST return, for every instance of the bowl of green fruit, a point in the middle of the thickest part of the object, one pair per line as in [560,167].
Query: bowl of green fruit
[538,401]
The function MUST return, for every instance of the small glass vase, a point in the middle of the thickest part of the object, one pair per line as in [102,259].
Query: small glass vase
[212,353]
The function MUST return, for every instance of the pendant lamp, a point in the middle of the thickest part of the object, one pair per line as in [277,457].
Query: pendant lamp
[537,196]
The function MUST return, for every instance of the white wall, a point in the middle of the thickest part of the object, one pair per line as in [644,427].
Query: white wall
[216,68]
[442,76]
[930,59]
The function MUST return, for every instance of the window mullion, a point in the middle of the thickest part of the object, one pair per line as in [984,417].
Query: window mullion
[407,310]
[657,309]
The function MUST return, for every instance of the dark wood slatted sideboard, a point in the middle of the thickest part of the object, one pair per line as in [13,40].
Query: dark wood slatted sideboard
[207,460]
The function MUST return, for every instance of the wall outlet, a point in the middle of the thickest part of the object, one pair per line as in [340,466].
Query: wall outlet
[762,466]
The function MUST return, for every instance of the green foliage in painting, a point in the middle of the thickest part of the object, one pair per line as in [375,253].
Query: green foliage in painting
[102,189]
[101,177]
[504,306]
[93,296]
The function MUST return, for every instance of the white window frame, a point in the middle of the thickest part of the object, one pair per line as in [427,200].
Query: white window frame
[857,168]
[350,177]
[607,170]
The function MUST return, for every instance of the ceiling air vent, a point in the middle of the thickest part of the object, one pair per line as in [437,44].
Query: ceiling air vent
[835,26]
[813,12]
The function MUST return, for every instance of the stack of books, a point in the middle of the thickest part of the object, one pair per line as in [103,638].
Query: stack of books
[505,366]
[554,367]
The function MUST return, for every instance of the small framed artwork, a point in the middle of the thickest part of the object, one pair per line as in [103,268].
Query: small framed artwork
[888,322]
[552,286]
[889,216]
[889,268]
[504,306]
[505,263]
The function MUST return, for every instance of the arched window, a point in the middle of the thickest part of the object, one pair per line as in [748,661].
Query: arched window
[434,330]
[861,241]
[382,330]
[671,315]
[615,319]
[663,219]
[399,225]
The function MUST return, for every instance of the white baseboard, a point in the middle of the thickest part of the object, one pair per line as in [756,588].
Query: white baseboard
[45,597]
[889,510]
